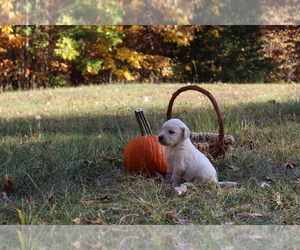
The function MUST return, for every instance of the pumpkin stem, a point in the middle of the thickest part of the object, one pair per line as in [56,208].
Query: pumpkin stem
[143,122]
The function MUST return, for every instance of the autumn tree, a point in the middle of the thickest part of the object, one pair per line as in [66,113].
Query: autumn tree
[12,68]
[34,56]
[9,13]
[154,12]
[282,48]
[159,44]
[223,53]
[70,12]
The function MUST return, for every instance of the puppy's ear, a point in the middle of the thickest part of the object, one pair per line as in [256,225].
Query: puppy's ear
[185,132]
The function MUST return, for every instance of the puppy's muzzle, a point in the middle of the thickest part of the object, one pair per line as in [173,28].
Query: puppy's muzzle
[160,138]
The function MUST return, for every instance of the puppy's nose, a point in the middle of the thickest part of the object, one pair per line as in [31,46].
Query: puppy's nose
[160,137]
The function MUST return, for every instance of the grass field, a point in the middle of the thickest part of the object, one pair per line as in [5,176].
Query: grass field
[62,148]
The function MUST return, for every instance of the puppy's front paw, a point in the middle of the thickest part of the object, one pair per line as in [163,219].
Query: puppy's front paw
[181,189]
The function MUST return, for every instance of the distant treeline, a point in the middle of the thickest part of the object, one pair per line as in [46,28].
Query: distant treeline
[46,56]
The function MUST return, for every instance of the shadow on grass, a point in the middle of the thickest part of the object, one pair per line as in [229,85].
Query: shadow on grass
[86,135]
[262,113]
[57,157]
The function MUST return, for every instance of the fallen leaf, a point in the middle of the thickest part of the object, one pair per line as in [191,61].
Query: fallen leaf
[287,166]
[171,216]
[5,197]
[103,156]
[234,168]
[264,184]
[280,202]
[85,221]
[181,189]
[86,245]
[8,185]
[88,202]
[278,198]
[77,244]
[296,182]
[243,215]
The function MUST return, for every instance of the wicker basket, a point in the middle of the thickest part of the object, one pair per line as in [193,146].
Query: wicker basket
[213,145]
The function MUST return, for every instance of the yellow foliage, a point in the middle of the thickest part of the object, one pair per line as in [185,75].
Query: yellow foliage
[123,73]
[6,5]
[16,40]
[181,11]
[135,6]
[181,35]
[67,48]
[5,66]
[188,68]
[281,48]
[91,70]
[134,58]
[99,48]
[108,62]
[136,28]
[165,72]
[10,40]
[6,29]
[8,15]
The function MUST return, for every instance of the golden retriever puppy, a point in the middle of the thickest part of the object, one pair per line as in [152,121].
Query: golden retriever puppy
[185,162]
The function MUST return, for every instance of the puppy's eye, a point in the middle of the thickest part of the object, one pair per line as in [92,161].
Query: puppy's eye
[171,132]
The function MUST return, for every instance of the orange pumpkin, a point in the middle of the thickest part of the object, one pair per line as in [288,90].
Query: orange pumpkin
[144,154]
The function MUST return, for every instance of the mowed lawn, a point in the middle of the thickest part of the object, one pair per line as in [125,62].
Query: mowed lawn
[63,148]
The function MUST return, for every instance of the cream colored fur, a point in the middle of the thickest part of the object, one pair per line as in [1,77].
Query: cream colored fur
[185,163]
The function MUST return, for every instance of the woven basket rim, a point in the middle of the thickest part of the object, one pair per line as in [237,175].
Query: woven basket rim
[218,148]
[211,98]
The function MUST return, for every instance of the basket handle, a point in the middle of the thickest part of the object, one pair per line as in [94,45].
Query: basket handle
[211,98]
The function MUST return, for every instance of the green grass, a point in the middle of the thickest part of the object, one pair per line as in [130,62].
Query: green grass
[63,150]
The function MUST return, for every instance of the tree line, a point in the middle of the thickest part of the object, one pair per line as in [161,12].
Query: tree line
[34,56]
[121,12]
